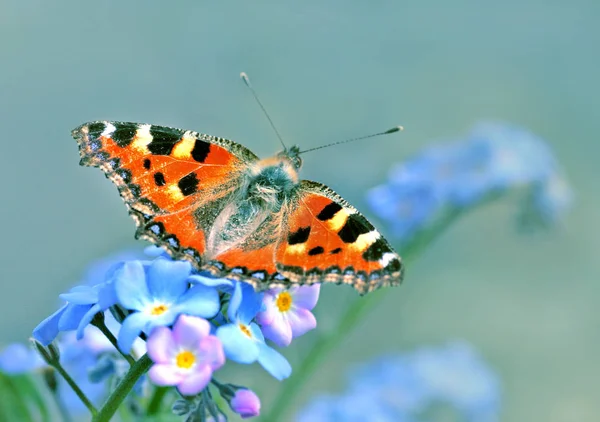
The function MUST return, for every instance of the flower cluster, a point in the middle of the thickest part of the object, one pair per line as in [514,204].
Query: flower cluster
[188,323]
[446,383]
[492,159]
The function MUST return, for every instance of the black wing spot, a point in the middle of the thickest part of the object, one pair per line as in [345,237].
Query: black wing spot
[200,151]
[336,251]
[159,179]
[147,164]
[394,265]
[317,250]
[124,134]
[355,226]
[376,250]
[162,142]
[96,129]
[299,236]
[188,184]
[329,211]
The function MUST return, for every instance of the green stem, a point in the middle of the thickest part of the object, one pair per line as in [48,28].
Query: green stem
[115,399]
[156,400]
[75,388]
[348,320]
[99,323]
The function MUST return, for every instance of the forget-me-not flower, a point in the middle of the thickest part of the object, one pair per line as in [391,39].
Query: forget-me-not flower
[243,340]
[287,313]
[185,356]
[157,295]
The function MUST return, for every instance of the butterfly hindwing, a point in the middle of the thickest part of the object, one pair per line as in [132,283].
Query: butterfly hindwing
[328,240]
[168,178]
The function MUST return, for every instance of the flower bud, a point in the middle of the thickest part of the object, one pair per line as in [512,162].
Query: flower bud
[245,403]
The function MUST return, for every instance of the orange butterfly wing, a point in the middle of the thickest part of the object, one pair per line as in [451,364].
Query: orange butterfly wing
[328,240]
[316,237]
[174,182]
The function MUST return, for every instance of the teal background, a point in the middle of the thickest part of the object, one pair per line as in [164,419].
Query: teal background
[326,70]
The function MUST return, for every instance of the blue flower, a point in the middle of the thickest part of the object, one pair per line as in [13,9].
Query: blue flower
[516,157]
[83,302]
[78,357]
[158,294]
[242,339]
[457,174]
[18,358]
[407,208]
[404,388]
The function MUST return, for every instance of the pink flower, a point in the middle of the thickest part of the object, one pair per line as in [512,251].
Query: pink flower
[185,356]
[245,403]
[287,313]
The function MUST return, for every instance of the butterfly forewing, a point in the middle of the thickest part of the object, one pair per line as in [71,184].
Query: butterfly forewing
[168,178]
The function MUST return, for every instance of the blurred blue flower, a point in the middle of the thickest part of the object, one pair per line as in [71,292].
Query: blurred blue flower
[158,294]
[493,158]
[78,357]
[18,358]
[242,340]
[406,207]
[407,387]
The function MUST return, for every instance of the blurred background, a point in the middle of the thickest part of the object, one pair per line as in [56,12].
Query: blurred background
[326,71]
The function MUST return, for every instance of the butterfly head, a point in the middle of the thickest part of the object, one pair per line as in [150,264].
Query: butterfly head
[292,154]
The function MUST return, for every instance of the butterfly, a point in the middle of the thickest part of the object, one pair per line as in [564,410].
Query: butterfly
[213,202]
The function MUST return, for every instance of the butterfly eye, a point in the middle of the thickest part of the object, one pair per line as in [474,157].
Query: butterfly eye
[297,162]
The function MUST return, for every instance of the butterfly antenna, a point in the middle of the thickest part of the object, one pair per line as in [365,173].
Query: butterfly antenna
[247,82]
[387,132]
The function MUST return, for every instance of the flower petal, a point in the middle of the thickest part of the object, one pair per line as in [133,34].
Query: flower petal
[189,331]
[252,303]
[301,321]
[209,281]
[107,296]
[161,346]
[211,352]
[306,296]
[72,316]
[167,279]
[238,347]
[199,301]
[279,331]
[83,295]
[165,374]
[47,330]
[196,381]
[130,330]
[269,311]
[86,319]
[274,362]
[235,301]
[130,286]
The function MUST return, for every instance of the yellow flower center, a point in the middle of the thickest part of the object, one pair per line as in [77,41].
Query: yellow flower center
[245,329]
[185,359]
[159,310]
[284,301]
